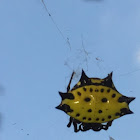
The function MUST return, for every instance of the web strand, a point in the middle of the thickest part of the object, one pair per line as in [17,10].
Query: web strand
[60,32]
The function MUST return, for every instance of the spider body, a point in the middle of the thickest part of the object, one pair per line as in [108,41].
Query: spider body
[92,102]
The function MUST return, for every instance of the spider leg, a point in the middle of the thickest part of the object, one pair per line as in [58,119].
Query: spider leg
[83,127]
[109,123]
[105,127]
[75,122]
[75,126]
[80,127]
[97,127]
[70,122]
[68,87]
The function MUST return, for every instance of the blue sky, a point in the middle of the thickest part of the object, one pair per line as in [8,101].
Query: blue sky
[36,62]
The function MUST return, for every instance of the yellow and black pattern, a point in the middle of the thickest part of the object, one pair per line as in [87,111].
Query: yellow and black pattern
[94,101]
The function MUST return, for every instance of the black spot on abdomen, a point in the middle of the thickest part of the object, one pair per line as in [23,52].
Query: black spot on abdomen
[103,119]
[91,89]
[89,119]
[79,93]
[102,90]
[97,119]
[121,99]
[87,99]
[96,90]
[77,115]
[104,100]
[90,110]
[84,89]
[108,90]
[113,95]
[100,111]
[84,118]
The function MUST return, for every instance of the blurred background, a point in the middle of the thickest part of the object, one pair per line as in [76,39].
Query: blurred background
[41,46]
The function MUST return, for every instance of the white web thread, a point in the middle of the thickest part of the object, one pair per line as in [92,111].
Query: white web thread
[85,52]
[60,32]
[124,74]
